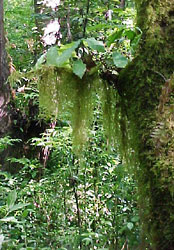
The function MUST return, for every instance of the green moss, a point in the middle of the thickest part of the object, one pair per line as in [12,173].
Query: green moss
[150,133]
[143,135]
[60,91]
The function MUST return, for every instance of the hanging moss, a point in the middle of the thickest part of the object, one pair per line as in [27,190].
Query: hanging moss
[108,100]
[61,91]
[114,119]
[144,134]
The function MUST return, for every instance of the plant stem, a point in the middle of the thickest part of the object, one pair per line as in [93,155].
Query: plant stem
[86,18]
[78,213]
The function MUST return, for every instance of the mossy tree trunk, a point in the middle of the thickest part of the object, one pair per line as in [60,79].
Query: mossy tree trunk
[147,97]
[4,72]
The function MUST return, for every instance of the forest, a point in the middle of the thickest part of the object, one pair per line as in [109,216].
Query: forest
[87,124]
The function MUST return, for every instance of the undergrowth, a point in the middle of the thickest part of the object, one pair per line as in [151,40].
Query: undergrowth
[86,203]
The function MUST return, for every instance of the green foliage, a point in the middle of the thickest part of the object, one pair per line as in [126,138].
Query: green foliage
[60,89]
[95,45]
[19,24]
[55,91]
[10,224]
[79,68]
[85,198]
[7,141]
[149,134]
[98,184]
[119,60]
[111,42]
[55,59]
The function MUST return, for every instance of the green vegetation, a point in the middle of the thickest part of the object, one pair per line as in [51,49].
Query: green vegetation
[88,203]
[92,126]
[70,188]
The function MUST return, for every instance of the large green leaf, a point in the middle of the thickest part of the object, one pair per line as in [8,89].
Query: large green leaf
[114,36]
[56,59]
[130,34]
[10,219]
[79,68]
[11,199]
[51,56]
[119,60]
[95,45]
[17,206]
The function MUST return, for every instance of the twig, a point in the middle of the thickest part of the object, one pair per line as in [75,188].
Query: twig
[86,18]
[124,245]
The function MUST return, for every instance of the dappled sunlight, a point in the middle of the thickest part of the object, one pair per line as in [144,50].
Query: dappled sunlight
[52,33]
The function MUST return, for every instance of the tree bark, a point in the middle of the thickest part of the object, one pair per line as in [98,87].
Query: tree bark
[4,72]
[122,4]
[147,101]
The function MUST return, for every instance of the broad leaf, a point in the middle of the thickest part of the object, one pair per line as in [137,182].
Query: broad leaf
[17,206]
[79,68]
[130,34]
[119,60]
[56,59]
[9,219]
[51,56]
[99,26]
[130,225]
[95,45]
[114,36]
[11,199]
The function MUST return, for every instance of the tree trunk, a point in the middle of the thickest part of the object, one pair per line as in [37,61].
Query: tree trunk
[4,72]
[147,101]
[122,4]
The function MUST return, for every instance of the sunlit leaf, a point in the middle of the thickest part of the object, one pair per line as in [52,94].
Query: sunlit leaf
[95,45]
[56,59]
[11,199]
[9,219]
[102,248]
[51,56]
[25,213]
[18,206]
[130,225]
[114,36]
